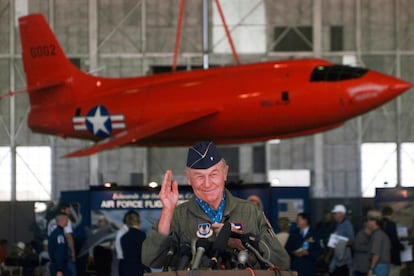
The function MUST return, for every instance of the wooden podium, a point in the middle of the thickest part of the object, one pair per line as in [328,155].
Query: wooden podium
[241,272]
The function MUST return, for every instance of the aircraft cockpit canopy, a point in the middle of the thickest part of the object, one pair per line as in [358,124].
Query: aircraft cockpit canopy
[336,73]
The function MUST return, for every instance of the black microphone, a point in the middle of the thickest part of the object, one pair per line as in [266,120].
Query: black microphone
[186,254]
[170,254]
[220,244]
[202,246]
[252,245]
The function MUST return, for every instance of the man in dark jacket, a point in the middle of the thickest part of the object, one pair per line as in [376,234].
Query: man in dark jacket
[390,228]
[304,247]
[58,248]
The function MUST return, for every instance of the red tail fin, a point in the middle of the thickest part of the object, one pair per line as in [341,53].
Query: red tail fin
[44,61]
[48,70]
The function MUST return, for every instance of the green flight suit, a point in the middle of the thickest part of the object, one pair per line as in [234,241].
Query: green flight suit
[187,217]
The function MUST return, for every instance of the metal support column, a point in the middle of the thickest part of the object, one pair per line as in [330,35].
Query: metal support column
[12,225]
[358,42]
[205,34]
[318,188]
[93,64]
[398,103]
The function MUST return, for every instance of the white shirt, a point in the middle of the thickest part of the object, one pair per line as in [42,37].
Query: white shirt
[304,231]
[118,247]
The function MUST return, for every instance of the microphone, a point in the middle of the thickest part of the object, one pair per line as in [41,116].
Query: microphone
[251,243]
[170,254]
[202,246]
[220,244]
[242,258]
[186,254]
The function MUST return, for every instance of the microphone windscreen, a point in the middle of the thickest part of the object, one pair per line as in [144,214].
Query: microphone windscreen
[185,256]
[202,246]
[243,256]
[204,243]
[223,236]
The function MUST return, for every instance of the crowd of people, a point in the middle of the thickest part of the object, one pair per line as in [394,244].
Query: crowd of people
[333,249]
[213,213]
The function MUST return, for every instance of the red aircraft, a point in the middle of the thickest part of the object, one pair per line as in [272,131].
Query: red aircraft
[233,104]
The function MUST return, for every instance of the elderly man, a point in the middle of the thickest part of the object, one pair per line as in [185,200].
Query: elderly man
[204,215]
[341,262]
[379,246]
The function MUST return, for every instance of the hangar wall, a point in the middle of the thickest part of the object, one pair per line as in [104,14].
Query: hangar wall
[131,36]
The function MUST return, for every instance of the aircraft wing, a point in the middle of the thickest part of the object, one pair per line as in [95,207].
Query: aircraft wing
[141,131]
[107,233]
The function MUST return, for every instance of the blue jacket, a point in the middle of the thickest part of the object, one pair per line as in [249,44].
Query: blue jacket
[58,251]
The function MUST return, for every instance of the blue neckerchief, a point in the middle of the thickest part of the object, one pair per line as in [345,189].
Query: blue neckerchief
[214,215]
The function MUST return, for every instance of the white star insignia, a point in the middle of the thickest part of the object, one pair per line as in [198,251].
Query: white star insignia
[98,121]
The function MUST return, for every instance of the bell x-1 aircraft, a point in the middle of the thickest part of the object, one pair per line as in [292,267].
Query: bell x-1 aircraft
[227,105]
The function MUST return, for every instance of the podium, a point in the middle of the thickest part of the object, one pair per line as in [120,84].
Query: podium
[241,272]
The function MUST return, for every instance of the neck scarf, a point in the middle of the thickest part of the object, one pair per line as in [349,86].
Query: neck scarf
[214,215]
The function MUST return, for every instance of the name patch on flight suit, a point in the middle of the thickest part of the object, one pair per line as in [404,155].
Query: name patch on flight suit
[237,227]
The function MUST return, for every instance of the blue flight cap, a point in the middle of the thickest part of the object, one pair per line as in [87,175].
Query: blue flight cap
[203,155]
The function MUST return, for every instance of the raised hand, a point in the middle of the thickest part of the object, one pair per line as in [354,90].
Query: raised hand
[169,198]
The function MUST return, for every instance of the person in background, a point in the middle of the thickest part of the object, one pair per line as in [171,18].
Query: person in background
[256,201]
[379,246]
[205,213]
[29,260]
[341,261]
[64,207]
[410,264]
[283,224]
[361,258]
[131,243]
[102,253]
[390,228]
[44,260]
[3,250]
[324,228]
[59,251]
[303,246]
[3,253]
[119,234]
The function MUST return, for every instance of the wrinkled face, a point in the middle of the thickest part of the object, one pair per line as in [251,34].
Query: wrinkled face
[208,184]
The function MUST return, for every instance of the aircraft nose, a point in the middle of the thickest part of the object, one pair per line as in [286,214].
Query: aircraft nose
[400,86]
[376,89]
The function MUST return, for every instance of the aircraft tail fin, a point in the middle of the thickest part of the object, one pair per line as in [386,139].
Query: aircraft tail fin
[44,61]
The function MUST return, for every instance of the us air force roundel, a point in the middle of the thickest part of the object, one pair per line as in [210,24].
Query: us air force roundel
[99,122]
[204,230]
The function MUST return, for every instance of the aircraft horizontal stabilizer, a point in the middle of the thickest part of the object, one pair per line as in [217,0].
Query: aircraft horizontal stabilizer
[45,85]
[141,131]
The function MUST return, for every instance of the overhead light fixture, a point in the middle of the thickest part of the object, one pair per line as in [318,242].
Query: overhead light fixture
[275,181]
[110,184]
[153,184]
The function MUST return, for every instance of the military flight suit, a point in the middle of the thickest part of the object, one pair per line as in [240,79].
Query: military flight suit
[188,216]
